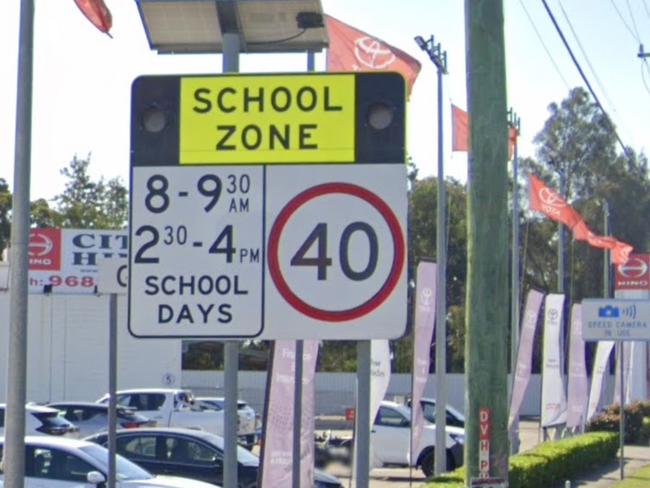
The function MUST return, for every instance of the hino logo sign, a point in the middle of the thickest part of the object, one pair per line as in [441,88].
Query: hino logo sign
[634,274]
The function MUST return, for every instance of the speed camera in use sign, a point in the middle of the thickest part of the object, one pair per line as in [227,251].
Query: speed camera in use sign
[268,206]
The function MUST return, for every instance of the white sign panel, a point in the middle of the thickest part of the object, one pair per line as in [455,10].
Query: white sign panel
[65,260]
[616,320]
[281,252]
[112,276]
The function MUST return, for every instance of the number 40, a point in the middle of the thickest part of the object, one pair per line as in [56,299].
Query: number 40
[321,261]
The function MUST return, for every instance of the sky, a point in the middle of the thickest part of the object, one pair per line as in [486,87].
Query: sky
[82,78]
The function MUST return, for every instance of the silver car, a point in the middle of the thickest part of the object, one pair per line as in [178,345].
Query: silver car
[247,426]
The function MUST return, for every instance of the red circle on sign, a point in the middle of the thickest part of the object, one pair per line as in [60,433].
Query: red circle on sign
[393,276]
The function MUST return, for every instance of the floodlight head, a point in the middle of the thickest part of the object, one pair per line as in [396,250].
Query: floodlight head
[419,40]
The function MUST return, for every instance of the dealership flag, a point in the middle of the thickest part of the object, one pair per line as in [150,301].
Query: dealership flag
[379,374]
[277,449]
[353,50]
[524,354]
[460,132]
[551,204]
[98,14]
[578,388]
[553,395]
[425,315]
[601,363]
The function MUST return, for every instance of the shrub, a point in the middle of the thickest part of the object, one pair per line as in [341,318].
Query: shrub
[549,463]
[609,421]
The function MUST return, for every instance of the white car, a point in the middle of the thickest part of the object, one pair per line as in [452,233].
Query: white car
[247,426]
[41,420]
[52,462]
[92,418]
[390,439]
[454,417]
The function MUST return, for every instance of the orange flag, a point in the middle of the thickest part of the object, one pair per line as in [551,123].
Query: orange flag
[459,129]
[460,132]
[354,50]
[551,204]
[97,12]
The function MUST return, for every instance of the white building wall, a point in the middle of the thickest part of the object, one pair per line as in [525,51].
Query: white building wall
[68,350]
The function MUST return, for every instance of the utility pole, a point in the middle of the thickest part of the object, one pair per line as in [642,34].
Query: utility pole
[486,353]
[439,59]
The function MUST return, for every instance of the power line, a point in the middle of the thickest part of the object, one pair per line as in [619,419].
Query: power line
[645,6]
[629,9]
[582,74]
[584,54]
[645,82]
[620,15]
[539,36]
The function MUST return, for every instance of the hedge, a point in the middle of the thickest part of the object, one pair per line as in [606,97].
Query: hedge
[549,463]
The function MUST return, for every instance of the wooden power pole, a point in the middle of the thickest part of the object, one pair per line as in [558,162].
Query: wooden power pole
[486,349]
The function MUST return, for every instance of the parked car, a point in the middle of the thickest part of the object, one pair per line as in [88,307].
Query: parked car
[41,420]
[454,417]
[53,462]
[390,439]
[170,408]
[247,426]
[91,418]
[193,454]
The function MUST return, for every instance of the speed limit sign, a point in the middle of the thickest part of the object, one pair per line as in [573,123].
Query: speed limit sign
[268,206]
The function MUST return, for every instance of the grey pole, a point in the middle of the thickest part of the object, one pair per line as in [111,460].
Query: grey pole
[14,452]
[297,397]
[297,415]
[231,348]
[561,239]
[439,59]
[621,433]
[515,272]
[362,417]
[112,388]
[606,252]
[441,291]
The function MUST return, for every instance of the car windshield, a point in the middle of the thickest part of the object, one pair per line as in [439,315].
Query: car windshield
[125,469]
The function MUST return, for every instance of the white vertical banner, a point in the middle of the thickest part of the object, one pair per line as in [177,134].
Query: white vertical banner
[601,363]
[634,373]
[278,437]
[553,394]
[379,374]
[578,387]
[524,354]
[425,310]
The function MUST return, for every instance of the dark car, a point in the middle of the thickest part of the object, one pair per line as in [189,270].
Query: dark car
[93,417]
[191,454]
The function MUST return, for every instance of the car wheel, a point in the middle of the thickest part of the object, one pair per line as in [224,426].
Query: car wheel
[428,466]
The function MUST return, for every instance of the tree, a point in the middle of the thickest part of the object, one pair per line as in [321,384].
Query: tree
[5,215]
[85,203]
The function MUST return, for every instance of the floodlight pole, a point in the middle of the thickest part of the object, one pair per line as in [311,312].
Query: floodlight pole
[14,453]
[231,348]
[439,59]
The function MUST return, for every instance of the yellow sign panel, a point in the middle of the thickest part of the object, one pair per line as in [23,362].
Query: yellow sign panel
[267,119]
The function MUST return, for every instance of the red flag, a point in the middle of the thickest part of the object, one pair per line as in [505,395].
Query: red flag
[551,204]
[460,132]
[459,129]
[548,202]
[353,50]
[97,12]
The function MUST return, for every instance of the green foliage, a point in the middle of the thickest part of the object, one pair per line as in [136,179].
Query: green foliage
[549,463]
[88,204]
[610,421]
[5,215]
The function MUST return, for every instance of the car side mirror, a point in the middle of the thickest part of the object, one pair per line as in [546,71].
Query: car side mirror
[95,478]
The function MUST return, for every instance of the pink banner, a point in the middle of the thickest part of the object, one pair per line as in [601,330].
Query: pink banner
[425,314]
[578,388]
[524,354]
[277,449]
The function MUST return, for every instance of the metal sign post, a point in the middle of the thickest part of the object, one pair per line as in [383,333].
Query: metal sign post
[112,280]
